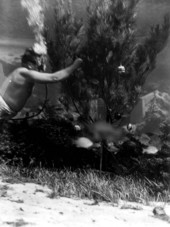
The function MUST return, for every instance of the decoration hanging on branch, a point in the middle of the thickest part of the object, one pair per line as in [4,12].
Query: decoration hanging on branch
[121,69]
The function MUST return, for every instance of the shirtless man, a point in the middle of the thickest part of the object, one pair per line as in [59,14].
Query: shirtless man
[18,86]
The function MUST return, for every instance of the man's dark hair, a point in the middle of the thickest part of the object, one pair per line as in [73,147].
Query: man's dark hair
[29,59]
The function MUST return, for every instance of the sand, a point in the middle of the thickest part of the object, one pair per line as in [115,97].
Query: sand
[29,204]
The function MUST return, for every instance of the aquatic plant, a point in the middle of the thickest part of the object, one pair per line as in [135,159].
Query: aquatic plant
[116,61]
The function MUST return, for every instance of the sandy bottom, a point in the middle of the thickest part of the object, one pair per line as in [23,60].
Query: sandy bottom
[28,204]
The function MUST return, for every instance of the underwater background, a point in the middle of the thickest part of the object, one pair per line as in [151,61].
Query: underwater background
[15,36]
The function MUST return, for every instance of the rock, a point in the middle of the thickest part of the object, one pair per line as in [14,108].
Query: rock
[159,211]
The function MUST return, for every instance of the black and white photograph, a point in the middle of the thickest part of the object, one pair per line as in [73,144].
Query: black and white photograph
[84,113]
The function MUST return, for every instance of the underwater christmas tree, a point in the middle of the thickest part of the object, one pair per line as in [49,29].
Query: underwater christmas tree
[116,61]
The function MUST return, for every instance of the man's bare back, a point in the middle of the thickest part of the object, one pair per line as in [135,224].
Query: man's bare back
[16,90]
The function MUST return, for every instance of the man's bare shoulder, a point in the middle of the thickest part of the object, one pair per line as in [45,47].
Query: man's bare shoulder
[20,73]
[21,70]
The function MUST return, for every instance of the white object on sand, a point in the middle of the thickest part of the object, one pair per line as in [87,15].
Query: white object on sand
[83,142]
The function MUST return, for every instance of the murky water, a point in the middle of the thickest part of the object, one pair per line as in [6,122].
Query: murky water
[13,24]
[15,33]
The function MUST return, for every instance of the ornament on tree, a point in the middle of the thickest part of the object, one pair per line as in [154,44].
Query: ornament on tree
[77,127]
[129,127]
[83,142]
[117,116]
[121,69]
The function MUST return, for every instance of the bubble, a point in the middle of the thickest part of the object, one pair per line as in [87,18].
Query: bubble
[35,20]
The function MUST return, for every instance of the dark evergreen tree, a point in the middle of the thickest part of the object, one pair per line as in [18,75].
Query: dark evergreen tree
[116,61]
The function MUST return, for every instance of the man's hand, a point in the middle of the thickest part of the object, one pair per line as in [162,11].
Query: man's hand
[77,63]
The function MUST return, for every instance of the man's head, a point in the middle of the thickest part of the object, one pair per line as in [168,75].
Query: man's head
[33,61]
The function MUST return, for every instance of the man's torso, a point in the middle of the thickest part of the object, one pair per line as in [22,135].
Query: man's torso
[16,90]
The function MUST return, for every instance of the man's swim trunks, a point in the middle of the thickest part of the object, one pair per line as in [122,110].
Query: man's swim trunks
[5,110]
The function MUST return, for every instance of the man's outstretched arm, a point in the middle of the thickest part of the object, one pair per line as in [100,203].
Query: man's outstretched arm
[41,77]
